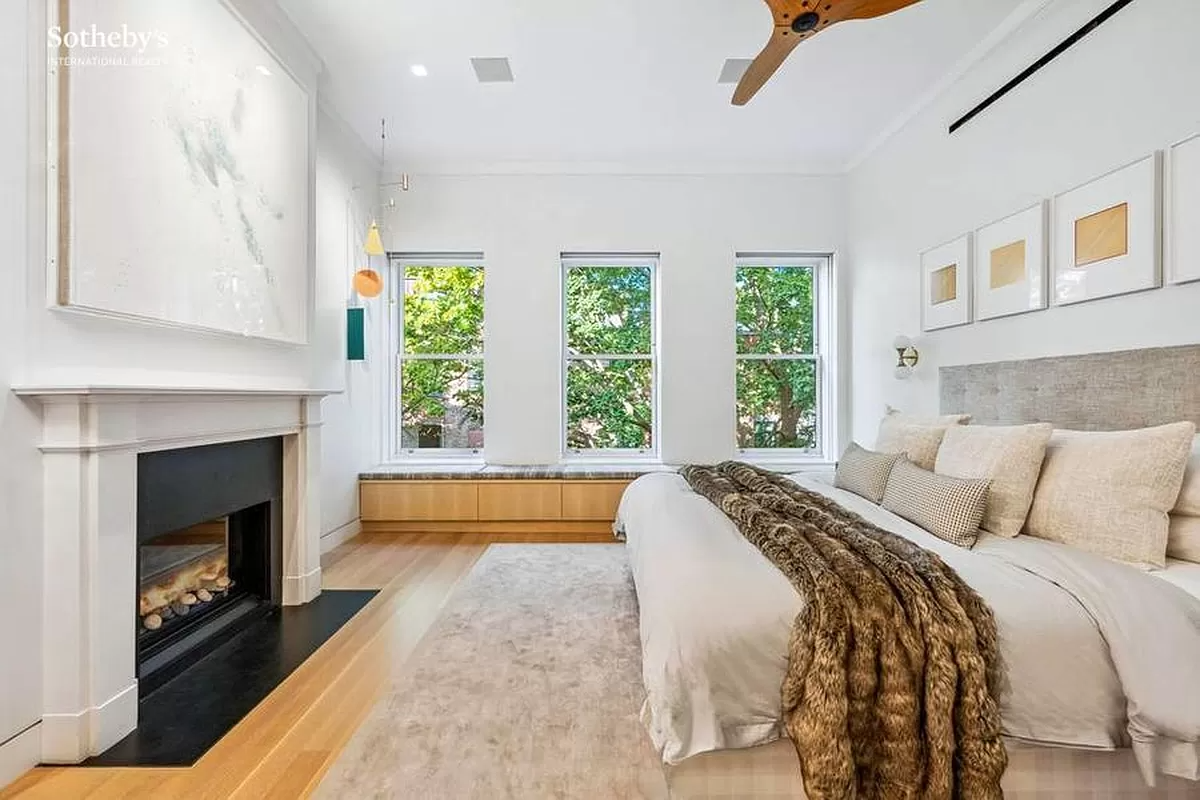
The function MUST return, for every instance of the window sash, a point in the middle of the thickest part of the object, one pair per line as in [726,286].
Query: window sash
[821,267]
[637,261]
[399,264]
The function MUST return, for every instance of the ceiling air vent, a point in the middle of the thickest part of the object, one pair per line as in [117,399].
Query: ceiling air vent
[733,70]
[492,70]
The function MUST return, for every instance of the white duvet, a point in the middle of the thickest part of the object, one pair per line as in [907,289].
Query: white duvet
[1098,655]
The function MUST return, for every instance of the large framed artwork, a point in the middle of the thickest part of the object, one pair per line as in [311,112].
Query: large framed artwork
[1183,212]
[1107,235]
[181,156]
[1010,265]
[946,285]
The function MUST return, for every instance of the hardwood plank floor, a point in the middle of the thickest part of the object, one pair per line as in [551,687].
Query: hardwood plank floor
[286,744]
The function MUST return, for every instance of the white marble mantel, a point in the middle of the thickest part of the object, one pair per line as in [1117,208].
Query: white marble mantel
[91,437]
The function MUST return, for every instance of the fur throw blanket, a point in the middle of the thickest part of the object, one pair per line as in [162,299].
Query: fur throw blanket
[893,671]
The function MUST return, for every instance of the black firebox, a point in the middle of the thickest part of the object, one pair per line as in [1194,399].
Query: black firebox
[209,530]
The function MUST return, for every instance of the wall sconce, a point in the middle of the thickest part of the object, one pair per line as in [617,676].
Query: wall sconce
[907,357]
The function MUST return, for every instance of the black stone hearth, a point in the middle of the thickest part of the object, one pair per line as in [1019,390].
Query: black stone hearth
[181,719]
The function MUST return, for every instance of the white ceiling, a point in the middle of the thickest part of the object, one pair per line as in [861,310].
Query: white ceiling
[625,84]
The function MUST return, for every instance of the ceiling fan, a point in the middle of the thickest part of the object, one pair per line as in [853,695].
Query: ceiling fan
[797,21]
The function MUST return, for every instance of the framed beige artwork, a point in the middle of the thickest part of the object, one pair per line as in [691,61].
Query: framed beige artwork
[1010,265]
[946,285]
[1183,211]
[1108,235]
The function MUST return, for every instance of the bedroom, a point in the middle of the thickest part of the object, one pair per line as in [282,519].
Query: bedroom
[590,266]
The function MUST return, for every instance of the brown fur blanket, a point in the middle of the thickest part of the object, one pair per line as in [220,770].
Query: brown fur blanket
[893,666]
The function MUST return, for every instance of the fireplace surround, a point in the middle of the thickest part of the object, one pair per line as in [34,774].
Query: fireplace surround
[93,440]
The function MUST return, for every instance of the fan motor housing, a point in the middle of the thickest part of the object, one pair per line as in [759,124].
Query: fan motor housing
[806,22]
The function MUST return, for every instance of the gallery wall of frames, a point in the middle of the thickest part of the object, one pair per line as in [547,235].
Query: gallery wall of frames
[1126,231]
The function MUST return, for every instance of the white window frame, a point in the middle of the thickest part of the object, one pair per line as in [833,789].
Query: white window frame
[398,264]
[823,355]
[607,260]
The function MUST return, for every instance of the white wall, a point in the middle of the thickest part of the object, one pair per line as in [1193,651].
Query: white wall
[523,223]
[1124,91]
[346,192]
[43,345]
[20,425]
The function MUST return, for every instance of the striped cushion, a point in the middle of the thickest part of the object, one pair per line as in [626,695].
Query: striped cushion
[949,508]
[865,472]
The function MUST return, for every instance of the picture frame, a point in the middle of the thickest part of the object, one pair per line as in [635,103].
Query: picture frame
[1011,258]
[1108,235]
[946,285]
[1183,211]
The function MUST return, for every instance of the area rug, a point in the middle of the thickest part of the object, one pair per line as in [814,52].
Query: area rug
[527,686]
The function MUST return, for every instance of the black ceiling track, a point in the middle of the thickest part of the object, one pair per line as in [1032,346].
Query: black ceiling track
[1069,42]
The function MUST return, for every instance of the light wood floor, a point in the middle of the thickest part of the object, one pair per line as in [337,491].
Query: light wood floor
[285,745]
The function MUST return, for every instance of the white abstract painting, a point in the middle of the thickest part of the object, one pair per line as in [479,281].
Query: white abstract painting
[186,175]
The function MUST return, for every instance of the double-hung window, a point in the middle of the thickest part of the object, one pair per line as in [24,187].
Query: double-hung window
[783,381]
[438,335]
[609,347]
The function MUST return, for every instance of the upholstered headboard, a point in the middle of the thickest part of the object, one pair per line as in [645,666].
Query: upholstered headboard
[1098,391]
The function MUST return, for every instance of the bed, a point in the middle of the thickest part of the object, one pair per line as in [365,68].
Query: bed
[716,614]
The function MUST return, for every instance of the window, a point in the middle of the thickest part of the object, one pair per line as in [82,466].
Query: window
[781,359]
[439,365]
[609,355]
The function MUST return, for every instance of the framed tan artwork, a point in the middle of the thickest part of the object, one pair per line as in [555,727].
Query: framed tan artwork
[1010,265]
[946,285]
[1183,212]
[1107,235]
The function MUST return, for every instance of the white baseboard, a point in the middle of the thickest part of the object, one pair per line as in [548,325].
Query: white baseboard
[20,754]
[340,535]
[301,589]
[70,738]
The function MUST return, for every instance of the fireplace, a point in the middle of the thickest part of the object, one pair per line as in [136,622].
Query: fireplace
[208,531]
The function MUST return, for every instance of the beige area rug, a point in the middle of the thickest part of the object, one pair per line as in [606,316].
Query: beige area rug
[527,686]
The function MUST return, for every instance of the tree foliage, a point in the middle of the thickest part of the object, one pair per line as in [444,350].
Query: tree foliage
[777,398]
[443,315]
[609,401]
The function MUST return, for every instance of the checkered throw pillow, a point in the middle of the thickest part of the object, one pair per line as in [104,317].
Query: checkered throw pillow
[865,472]
[949,508]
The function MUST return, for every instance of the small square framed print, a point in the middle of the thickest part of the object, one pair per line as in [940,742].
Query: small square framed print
[1010,265]
[946,285]
[1107,235]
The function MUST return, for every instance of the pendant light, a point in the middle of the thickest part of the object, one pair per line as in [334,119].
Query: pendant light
[368,282]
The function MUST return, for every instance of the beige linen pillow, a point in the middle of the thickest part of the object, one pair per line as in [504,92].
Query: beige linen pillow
[918,438]
[1184,539]
[1009,456]
[949,508]
[865,472]
[1109,493]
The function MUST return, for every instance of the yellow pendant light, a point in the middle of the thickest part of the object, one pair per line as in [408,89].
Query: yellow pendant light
[374,245]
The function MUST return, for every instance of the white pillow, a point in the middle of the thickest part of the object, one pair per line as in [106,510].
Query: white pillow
[1008,456]
[1188,503]
[1184,539]
[1109,493]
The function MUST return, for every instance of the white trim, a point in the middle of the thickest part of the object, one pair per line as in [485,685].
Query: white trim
[20,754]
[301,589]
[1014,21]
[70,738]
[341,535]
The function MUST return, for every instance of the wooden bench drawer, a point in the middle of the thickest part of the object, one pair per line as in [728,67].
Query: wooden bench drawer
[392,501]
[509,500]
[592,500]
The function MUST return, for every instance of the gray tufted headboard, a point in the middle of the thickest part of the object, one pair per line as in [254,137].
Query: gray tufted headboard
[1098,391]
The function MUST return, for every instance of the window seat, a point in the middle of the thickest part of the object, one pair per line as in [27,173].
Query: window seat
[486,472]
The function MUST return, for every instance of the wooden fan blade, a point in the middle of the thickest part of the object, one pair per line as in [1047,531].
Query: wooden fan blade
[869,9]
[782,42]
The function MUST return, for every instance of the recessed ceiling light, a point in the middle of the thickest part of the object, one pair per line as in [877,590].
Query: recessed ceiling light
[492,70]
[733,70]
[263,70]
[419,70]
